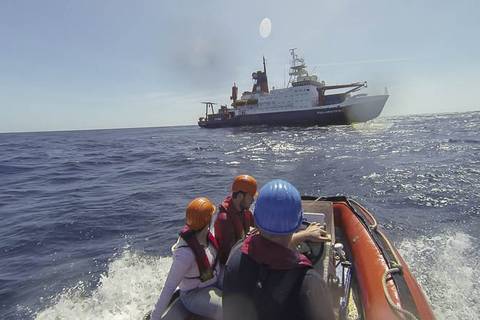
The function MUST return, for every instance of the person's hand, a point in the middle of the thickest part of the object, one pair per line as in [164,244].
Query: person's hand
[314,233]
[252,230]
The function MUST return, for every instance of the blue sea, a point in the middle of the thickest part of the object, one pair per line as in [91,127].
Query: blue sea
[88,217]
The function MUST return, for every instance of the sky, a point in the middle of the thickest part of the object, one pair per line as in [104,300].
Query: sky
[68,65]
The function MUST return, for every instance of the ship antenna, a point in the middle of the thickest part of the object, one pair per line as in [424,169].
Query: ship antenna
[294,59]
[294,56]
[264,66]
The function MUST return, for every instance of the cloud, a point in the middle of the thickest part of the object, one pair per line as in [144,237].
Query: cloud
[197,58]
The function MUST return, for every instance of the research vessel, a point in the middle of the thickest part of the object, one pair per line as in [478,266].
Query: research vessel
[305,101]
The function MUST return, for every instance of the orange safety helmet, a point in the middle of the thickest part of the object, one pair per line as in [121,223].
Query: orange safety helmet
[199,213]
[245,183]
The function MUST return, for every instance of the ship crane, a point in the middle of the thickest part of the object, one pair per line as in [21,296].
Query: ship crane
[208,105]
[356,86]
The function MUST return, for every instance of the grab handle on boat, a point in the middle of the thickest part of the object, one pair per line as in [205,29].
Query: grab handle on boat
[398,309]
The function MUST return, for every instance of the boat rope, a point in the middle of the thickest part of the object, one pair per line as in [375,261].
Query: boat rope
[396,267]
[392,304]
[372,218]
[374,227]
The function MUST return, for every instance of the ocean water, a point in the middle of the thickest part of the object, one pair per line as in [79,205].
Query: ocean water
[88,217]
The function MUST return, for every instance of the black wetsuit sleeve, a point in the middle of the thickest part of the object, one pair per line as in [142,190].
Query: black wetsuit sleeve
[316,298]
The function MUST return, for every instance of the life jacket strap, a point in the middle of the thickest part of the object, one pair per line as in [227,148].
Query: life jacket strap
[203,264]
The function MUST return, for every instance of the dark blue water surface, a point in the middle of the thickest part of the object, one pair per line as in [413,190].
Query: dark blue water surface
[88,217]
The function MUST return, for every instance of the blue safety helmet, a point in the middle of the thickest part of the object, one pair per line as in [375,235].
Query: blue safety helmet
[278,209]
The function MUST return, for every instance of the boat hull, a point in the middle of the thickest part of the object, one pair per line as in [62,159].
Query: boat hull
[355,110]
[372,256]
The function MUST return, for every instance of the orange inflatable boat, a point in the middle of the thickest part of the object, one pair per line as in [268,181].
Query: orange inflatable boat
[367,277]
[366,274]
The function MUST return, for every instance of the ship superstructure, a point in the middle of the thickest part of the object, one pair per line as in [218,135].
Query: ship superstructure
[305,101]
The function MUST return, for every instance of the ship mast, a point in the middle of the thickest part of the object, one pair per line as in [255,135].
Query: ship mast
[260,80]
[297,68]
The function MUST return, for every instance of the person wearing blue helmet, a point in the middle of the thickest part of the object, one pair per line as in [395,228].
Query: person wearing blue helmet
[265,278]
[234,220]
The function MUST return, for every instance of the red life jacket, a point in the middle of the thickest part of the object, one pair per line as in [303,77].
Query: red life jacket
[241,221]
[272,255]
[204,266]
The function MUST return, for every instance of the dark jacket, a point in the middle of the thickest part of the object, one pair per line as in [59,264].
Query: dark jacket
[264,280]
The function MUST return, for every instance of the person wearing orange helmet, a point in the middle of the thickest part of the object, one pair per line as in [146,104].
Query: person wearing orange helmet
[234,218]
[194,268]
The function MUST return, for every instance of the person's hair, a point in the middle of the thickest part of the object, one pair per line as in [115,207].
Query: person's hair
[235,194]
[280,239]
